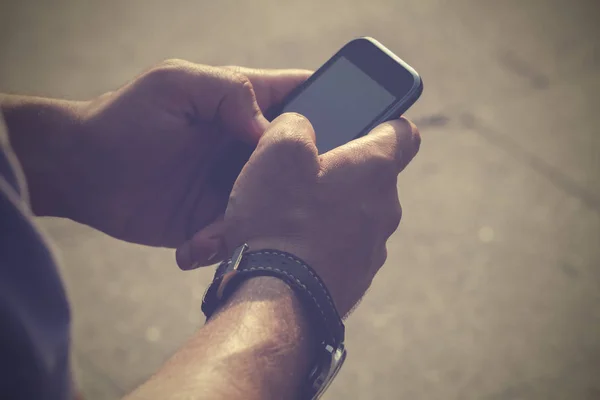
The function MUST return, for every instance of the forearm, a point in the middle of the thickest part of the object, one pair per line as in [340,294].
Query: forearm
[258,346]
[41,133]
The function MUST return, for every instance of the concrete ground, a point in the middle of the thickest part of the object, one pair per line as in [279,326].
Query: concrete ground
[492,286]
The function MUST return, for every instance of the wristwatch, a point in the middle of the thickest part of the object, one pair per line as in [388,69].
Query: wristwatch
[312,292]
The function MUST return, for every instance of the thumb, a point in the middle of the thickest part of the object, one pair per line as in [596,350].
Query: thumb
[290,131]
[238,109]
[288,147]
[206,247]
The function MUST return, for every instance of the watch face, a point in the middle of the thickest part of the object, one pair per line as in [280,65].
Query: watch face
[331,365]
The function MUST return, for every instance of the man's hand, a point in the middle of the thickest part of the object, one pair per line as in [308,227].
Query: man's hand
[335,211]
[135,163]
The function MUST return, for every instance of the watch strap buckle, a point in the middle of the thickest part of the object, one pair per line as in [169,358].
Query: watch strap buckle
[232,269]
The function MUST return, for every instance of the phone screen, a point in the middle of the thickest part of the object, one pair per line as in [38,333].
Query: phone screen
[340,103]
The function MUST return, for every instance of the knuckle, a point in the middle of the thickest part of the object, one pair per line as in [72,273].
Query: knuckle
[382,166]
[409,134]
[381,258]
[378,259]
[392,218]
[382,162]
[167,70]
[173,62]
[239,84]
[405,125]
[293,144]
[395,217]
[239,81]
[416,136]
[291,133]
[298,120]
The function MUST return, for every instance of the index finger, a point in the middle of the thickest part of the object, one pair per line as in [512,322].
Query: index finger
[398,139]
[376,158]
[393,143]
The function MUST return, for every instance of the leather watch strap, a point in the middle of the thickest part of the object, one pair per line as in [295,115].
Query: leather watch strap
[296,273]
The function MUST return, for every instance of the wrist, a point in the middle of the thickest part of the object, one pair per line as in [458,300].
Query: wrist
[327,327]
[273,333]
[43,135]
[257,345]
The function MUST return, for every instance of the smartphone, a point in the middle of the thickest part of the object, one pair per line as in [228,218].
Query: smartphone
[361,86]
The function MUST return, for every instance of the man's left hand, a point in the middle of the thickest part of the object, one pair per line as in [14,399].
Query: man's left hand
[135,163]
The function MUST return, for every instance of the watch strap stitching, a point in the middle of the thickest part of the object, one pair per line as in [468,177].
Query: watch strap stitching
[306,267]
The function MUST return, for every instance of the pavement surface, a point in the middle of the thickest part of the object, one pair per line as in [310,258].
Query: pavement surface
[492,285]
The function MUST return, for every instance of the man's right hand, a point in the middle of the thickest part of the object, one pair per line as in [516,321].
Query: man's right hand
[335,211]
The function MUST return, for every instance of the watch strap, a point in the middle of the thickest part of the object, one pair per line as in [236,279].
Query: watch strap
[311,290]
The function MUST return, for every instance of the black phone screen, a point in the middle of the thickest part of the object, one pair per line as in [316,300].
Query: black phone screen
[340,103]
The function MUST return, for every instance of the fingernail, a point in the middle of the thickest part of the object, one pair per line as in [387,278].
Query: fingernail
[183,257]
[212,257]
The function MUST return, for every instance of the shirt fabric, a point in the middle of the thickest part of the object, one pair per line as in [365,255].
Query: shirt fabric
[34,312]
